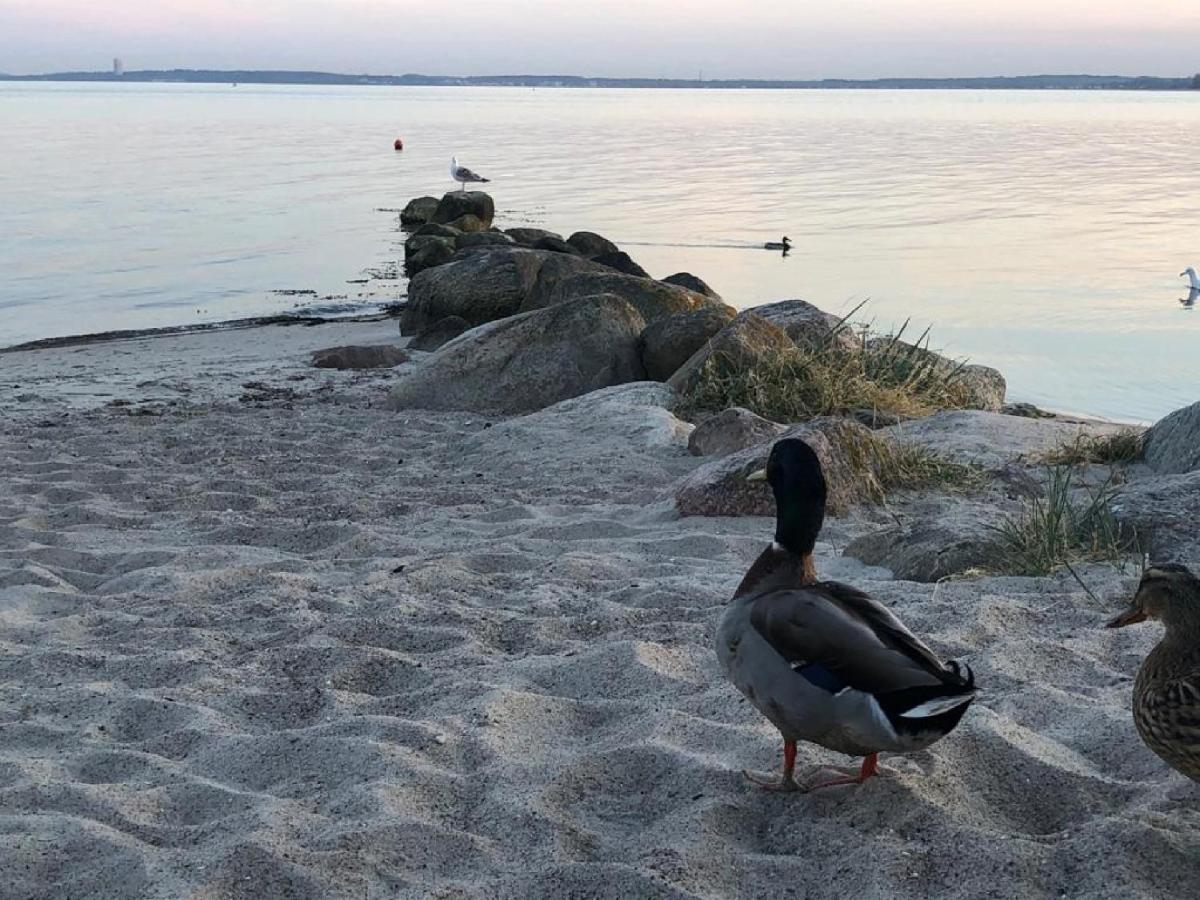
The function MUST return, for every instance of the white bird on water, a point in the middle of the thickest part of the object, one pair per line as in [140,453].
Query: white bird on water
[1193,278]
[463,175]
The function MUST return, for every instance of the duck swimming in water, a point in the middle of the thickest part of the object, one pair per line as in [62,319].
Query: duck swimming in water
[824,662]
[785,245]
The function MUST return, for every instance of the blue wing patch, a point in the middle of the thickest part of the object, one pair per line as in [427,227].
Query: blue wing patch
[818,675]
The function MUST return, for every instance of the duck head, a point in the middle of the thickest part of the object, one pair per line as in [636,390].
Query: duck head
[1167,592]
[794,473]
[787,242]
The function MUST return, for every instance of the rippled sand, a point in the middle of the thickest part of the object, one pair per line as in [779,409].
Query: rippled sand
[275,641]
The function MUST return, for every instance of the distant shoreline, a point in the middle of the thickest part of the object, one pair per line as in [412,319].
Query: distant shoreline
[1015,82]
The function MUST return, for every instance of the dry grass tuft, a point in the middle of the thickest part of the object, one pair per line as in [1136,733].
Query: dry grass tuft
[884,465]
[1124,446]
[796,384]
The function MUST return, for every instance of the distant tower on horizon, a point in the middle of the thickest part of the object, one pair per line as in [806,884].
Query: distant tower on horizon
[118,66]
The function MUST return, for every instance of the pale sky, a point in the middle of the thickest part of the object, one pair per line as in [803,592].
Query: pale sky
[675,38]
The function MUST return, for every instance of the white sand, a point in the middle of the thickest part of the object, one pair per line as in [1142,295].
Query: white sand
[216,680]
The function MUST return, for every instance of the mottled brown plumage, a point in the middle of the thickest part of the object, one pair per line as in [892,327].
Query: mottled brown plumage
[1166,694]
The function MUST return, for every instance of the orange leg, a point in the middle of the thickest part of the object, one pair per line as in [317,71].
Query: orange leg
[787,781]
[870,768]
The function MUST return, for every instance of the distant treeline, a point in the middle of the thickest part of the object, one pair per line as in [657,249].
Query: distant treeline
[1018,82]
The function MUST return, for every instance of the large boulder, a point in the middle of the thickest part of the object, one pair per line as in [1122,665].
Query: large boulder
[1173,445]
[720,488]
[738,345]
[370,356]
[590,244]
[530,361]
[732,430]
[985,387]
[993,440]
[808,326]
[652,299]
[457,204]
[622,262]
[427,251]
[930,549]
[1163,511]
[557,245]
[470,224]
[530,236]
[692,283]
[434,230]
[480,286]
[441,332]
[669,342]
[483,239]
[417,212]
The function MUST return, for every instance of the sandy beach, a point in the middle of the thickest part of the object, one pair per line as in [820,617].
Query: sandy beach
[261,636]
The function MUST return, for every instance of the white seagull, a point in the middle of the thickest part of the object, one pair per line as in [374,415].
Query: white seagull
[462,174]
[1193,278]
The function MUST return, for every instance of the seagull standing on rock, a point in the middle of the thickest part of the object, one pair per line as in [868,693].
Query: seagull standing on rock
[463,175]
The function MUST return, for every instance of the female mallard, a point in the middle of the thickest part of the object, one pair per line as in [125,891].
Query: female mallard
[822,661]
[1166,695]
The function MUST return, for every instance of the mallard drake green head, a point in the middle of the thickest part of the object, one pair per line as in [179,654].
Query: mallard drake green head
[798,482]
[1167,592]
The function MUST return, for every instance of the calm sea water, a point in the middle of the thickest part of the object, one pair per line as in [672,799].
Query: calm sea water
[1041,233]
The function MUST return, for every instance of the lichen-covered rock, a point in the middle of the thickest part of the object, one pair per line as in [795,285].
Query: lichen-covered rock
[808,326]
[439,333]
[986,387]
[457,204]
[417,212]
[370,356]
[622,262]
[668,342]
[1173,443]
[732,430]
[591,244]
[692,283]
[738,345]
[469,224]
[720,488]
[528,362]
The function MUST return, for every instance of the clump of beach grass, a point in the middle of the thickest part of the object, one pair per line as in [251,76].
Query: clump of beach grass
[1119,447]
[1070,523]
[799,383]
[884,465]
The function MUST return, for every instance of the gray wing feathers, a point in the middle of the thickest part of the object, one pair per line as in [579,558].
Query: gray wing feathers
[852,636]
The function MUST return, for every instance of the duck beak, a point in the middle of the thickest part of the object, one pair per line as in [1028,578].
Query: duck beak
[1130,616]
[757,475]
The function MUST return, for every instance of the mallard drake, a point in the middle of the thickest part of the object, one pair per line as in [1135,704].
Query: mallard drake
[1166,694]
[824,662]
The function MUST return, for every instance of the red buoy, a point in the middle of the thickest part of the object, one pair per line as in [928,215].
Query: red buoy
[399,145]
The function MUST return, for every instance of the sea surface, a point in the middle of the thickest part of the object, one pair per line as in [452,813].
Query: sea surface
[1038,232]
